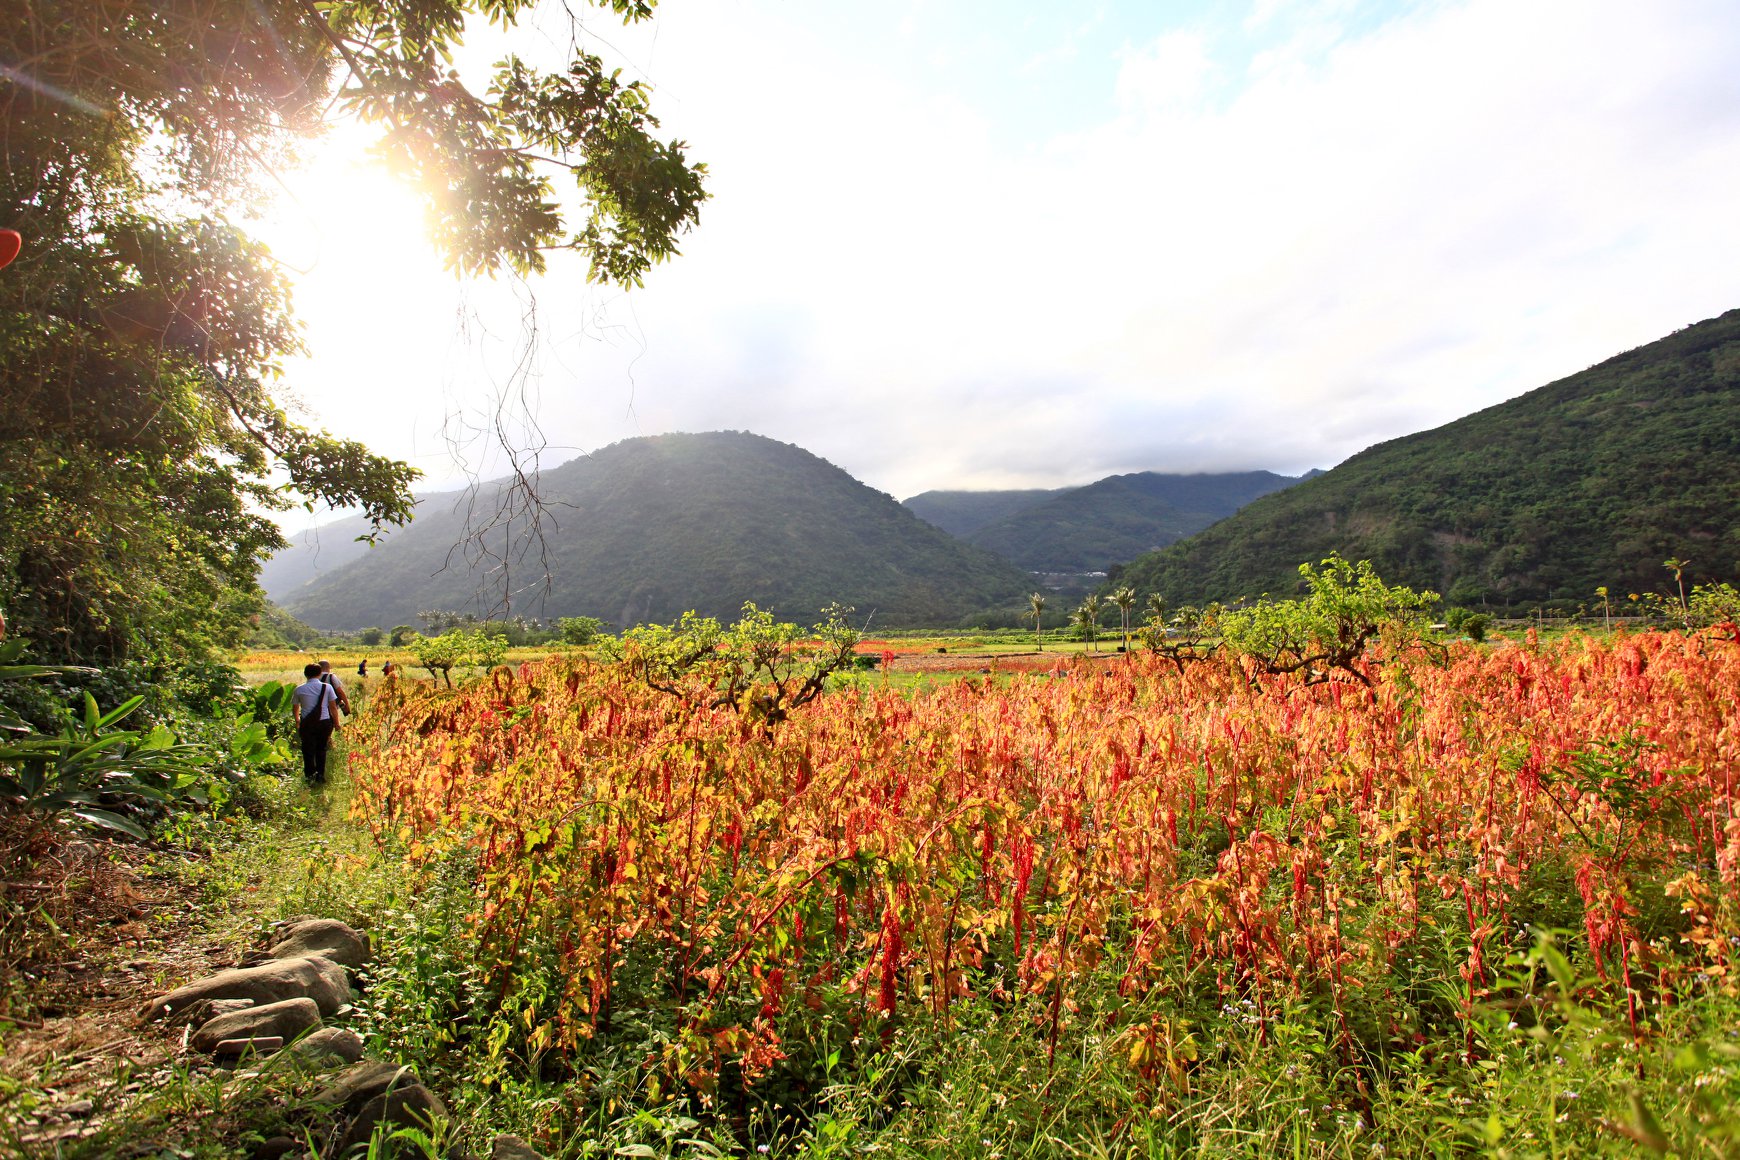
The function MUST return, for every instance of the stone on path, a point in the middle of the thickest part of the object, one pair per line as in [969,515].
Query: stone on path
[326,937]
[319,979]
[402,1107]
[254,1045]
[284,1020]
[362,1082]
[205,1010]
[330,1046]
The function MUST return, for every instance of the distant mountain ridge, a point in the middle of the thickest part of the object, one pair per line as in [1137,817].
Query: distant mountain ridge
[1091,528]
[649,528]
[961,513]
[313,553]
[1592,480]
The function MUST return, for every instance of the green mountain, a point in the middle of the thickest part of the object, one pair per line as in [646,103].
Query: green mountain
[961,513]
[1592,480]
[1089,529]
[648,528]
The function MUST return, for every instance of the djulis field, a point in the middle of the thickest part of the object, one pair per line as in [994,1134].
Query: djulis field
[1484,902]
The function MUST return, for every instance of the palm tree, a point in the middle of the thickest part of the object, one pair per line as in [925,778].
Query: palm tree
[1125,599]
[1037,603]
[1088,618]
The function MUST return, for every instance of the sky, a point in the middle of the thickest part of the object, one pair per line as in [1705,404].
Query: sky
[969,244]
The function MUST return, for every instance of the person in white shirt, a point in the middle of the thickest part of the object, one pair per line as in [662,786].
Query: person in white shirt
[314,704]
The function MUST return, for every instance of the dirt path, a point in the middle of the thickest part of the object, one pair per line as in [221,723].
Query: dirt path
[71,1044]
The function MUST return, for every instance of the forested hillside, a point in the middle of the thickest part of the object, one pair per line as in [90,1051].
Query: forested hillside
[648,528]
[1088,529]
[1591,480]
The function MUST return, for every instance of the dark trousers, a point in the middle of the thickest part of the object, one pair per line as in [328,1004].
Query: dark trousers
[316,736]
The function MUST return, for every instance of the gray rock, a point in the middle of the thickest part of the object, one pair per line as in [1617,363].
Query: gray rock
[330,1046]
[285,1019]
[512,1148]
[326,937]
[207,1009]
[314,978]
[276,1148]
[402,1107]
[254,1045]
[283,923]
[363,1082]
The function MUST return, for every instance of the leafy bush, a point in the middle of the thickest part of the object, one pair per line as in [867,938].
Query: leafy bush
[80,769]
[91,772]
[1466,622]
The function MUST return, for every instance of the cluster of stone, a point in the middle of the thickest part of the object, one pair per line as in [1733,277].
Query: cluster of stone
[280,997]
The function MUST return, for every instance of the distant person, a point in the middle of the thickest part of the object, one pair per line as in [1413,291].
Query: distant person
[388,669]
[362,668]
[314,705]
[327,677]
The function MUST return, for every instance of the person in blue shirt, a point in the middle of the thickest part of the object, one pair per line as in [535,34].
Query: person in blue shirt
[314,705]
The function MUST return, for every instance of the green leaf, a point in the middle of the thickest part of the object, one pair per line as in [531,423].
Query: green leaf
[110,821]
[117,714]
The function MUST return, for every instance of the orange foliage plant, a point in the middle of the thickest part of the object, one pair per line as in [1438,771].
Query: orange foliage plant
[1144,826]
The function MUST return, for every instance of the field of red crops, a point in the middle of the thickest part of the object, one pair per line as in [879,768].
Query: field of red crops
[1127,830]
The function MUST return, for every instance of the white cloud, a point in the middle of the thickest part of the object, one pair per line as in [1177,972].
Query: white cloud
[1250,247]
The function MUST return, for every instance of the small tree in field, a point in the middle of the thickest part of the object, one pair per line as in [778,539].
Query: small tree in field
[762,668]
[1347,608]
[1188,636]
[581,630]
[1036,603]
[456,649]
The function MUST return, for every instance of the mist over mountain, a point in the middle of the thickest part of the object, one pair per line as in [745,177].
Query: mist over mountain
[1592,480]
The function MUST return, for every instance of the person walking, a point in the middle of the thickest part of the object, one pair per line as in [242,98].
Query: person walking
[328,677]
[314,705]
